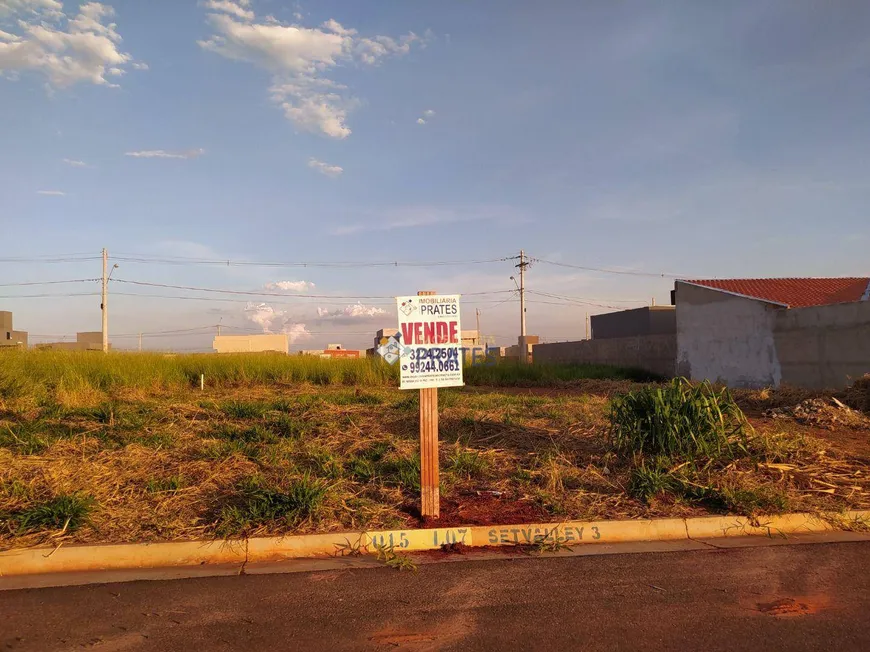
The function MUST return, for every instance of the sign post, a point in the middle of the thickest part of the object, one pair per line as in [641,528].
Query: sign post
[430,357]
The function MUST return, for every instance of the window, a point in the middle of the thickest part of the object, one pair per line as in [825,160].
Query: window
[8,335]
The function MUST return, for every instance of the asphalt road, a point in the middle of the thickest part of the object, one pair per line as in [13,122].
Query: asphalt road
[810,597]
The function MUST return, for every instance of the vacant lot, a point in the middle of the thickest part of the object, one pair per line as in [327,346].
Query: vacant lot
[125,448]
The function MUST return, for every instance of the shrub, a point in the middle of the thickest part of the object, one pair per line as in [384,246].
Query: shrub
[679,419]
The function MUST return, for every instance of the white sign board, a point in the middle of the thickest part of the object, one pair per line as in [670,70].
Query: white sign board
[430,338]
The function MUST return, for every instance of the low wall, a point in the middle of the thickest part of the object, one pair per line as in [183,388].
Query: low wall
[654,353]
[823,347]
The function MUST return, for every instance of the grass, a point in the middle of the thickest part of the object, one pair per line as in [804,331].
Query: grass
[681,419]
[258,504]
[149,460]
[66,512]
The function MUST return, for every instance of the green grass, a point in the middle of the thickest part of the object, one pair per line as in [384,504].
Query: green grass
[40,373]
[169,484]
[249,435]
[68,511]
[681,419]
[257,504]
[467,464]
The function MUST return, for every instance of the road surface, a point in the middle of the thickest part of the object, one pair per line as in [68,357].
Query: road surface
[809,597]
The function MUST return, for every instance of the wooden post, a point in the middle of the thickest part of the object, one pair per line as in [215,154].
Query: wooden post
[430,506]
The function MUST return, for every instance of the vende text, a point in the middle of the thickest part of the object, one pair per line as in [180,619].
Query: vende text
[430,332]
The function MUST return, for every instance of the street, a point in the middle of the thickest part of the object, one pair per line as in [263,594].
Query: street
[805,597]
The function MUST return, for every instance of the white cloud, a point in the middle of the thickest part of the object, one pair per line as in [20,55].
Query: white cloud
[140,66]
[52,193]
[428,113]
[228,7]
[325,168]
[421,121]
[356,311]
[74,163]
[44,8]
[66,49]
[276,321]
[290,286]
[299,58]
[162,153]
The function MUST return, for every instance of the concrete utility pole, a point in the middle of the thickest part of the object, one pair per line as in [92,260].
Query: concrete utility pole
[587,325]
[524,348]
[140,342]
[104,306]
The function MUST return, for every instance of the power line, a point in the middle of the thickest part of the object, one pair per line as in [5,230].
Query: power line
[605,270]
[54,295]
[181,260]
[276,294]
[76,280]
[56,258]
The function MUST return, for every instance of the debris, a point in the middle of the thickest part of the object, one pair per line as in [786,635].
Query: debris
[821,412]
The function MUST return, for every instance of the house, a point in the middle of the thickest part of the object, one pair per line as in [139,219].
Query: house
[9,337]
[88,341]
[808,332]
[635,322]
[279,343]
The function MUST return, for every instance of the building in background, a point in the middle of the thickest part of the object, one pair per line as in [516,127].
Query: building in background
[278,343]
[8,335]
[649,320]
[807,332]
[88,341]
[335,351]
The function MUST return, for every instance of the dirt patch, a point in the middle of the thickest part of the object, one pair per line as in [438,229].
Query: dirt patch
[486,510]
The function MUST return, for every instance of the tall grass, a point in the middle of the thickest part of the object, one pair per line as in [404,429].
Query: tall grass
[679,419]
[43,374]
[24,373]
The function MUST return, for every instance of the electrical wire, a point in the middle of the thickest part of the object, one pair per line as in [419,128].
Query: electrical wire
[27,283]
[180,260]
[605,270]
[277,294]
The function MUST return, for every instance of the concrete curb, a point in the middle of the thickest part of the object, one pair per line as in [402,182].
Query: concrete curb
[222,555]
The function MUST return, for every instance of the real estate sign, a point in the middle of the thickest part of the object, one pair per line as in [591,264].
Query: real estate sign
[429,344]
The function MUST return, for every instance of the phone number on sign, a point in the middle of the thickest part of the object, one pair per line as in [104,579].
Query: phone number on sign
[428,366]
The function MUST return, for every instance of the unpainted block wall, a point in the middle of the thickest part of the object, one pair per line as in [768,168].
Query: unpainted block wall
[654,353]
[825,346]
[727,338]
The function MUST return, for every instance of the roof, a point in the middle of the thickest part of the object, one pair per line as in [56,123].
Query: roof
[794,292]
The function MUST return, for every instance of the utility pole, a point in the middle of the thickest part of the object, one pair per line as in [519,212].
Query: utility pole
[479,337]
[140,342]
[524,348]
[103,306]
[587,325]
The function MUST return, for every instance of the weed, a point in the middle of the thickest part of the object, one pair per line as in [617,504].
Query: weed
[252,435]
[257,505]
[645,482]
[220,450]
[287,426]
[66,511]
[392,559]
[467,463]
[24,440]
[362,469]
[245,410]
[403,471]
[169,484]
[680,419]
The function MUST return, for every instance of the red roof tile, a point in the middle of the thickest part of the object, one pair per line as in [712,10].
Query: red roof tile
[795,292]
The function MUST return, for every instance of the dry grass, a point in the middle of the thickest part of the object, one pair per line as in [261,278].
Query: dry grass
[177,464]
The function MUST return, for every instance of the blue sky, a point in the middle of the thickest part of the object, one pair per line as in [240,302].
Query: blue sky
[695,139]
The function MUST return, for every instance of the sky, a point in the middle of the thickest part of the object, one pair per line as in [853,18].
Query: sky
[620,145]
